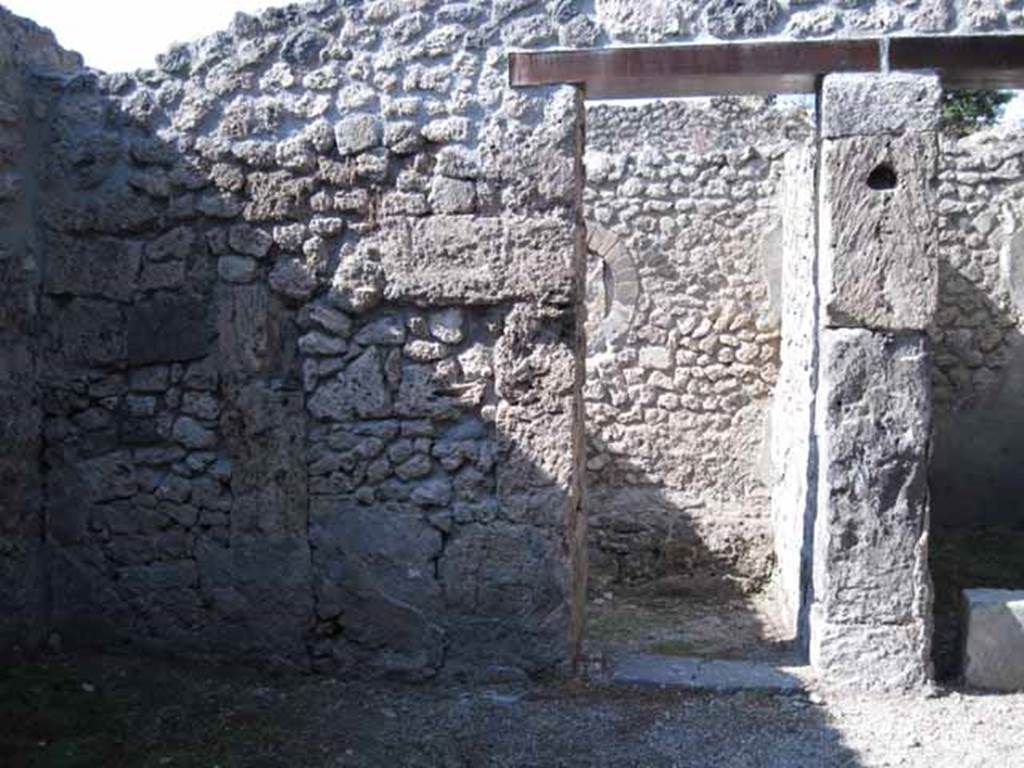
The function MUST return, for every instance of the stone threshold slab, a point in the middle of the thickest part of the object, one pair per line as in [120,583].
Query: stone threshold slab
[705,674]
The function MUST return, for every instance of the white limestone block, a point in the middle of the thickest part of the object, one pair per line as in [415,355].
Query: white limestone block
[994,651]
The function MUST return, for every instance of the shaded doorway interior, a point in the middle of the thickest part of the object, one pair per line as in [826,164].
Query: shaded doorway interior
[684,210]
[977,489]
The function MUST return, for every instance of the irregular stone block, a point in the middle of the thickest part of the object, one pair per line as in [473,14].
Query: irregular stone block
[452,195]
[332,320]
[317,343]
[357,134]
[237,269]
[425,351]
[658,21]
[878,228]
[386,330]
[293,279]
[994,650]
[879,657]
[192,434]
[168,329]
[250,241]
[359,390]
[742,18]
[177,245]
[446,326]
[872,104]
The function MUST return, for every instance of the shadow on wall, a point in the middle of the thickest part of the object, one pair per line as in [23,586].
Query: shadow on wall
[975,481]
[295,411]
[689,597]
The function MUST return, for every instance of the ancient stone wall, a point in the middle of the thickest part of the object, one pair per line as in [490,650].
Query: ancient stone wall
[978,370]
[626,21]
[28,55]
[292,328]
[683,205]
[792,442]
[309,366]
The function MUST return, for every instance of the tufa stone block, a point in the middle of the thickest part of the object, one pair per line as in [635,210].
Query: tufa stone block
[871,104]
[870,545]
[878,232]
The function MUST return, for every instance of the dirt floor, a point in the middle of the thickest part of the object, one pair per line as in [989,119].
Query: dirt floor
[111,711]
[641,619]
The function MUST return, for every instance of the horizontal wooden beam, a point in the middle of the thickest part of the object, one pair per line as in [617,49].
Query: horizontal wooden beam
[981,61]
[695,70]
[978,61]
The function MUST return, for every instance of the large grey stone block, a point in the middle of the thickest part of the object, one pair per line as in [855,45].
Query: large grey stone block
[870,545]
[479,260]
[105,268]
[883,657]
[871,104]
[878,256]
[994,651]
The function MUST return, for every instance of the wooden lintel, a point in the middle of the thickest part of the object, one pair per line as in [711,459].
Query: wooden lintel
[692,70]
[974,61]
[992,61]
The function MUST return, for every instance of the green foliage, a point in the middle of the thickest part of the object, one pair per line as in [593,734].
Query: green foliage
[964,112]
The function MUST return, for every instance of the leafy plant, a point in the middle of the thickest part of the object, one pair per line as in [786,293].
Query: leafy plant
[964,112]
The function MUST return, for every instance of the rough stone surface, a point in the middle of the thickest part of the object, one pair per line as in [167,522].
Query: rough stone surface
[869,105]
[23,568]
[281,362]
[682,201]
[623,21]
[217,478]
[977,336]
[871,617]
[872,593]
[994,650]
[791,437]
[977,369]
[878,261]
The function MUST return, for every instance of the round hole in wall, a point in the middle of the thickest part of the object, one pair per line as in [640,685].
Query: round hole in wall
[882,177]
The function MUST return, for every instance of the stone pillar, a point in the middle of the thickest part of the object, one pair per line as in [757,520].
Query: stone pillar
[871,615]
[792,416]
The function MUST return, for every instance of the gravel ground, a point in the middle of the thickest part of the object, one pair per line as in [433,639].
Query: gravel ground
[113,711]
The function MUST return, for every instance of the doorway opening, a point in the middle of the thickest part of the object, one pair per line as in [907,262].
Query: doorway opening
[683,200]
[976,488]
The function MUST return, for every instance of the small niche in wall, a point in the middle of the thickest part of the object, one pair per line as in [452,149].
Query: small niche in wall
[882,177]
